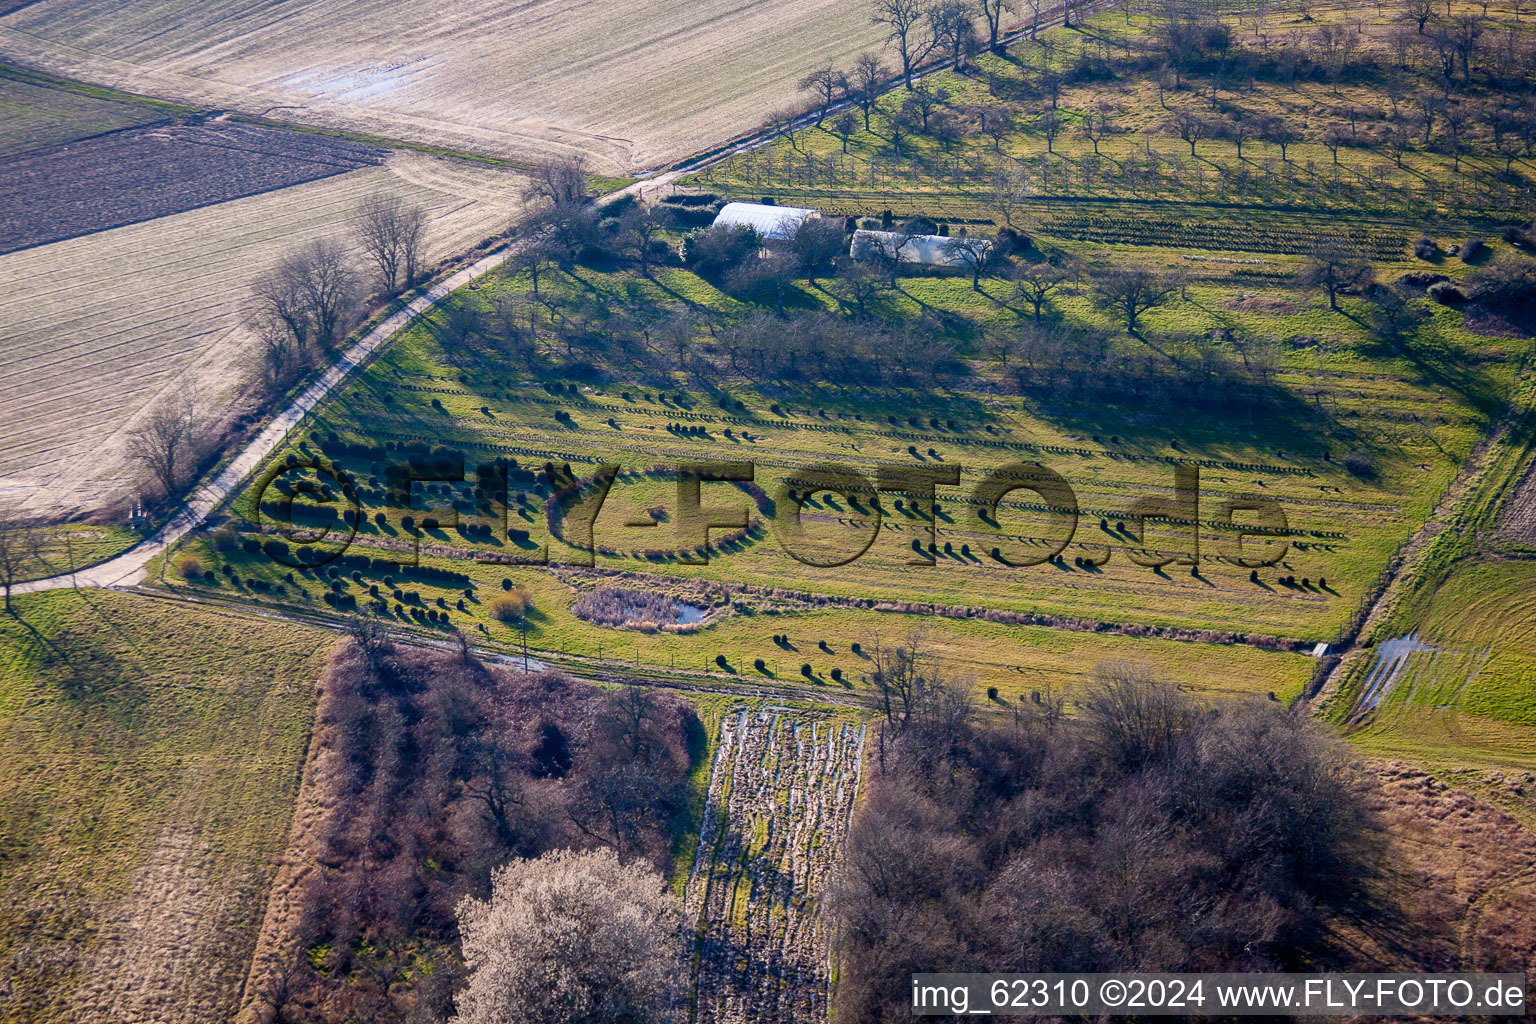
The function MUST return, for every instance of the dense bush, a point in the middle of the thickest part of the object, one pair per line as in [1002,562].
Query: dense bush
[1151,834]
[1446,293]
[1426,249]
[432,770]
[1360,465]
[513,606]
[615,606]
[1506,287]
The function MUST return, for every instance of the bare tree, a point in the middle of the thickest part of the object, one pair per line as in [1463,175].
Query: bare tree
[1034,283]
[827,85]
[1398,142]
[642,226]
[391,232]
[571,938]
[1036,9]
[278,298]
[975,254]
[817,244]
[327,289]
[864,82]
[913,28]
[995,121]
[1190,127]
[533,258]
[993,12]
[1132,718]
[1335,138]
[1098,123]
[1334,268]
[902,124]
[845,126]
[913,688]
[1010,187]
[560,181]
[1130,293]
[1419,12]
[1243,130]
[280,358]
[1049,124]
[860,283]
[1278,132]
[20,546]
[166,441]
[955,28]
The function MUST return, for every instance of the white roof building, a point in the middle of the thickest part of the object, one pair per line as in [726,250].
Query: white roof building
[767,221]
[929,250]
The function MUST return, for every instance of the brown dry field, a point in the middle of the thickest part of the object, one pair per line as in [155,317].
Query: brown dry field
[1457,883]
[94,330]
[634,85]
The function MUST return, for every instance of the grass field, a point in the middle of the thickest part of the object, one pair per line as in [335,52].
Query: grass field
[1344,527]
[1355,434]
[1116,169]
[151,755]
[633,87]
[32,116]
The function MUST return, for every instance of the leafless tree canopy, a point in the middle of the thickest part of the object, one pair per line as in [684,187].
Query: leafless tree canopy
[304,306]
[168,441]
[391,233]
[914,27]
[1130,293]
[435,771]
[1335,268]
[561,181]
[1150,833]
[571,938]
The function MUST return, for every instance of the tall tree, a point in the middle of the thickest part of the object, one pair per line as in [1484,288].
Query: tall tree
[913,28]
[1131,293]
[1034,283]
[391,232]
[1010,187]
[166,441]
[827,85]
[955,28]
[1335,267]
[19,546]
[868,73]
[560,181]
[993,12]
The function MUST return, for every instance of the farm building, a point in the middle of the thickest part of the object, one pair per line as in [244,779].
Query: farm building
[767,221]
[928,250]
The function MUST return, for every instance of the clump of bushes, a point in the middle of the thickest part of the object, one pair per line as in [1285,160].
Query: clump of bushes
[1506,287]
[513,606]
[1446,293]
[1421,279]
[190,567]
[1252,815]
[1426,249]
[616,606]
[1359,465]
[1473,250]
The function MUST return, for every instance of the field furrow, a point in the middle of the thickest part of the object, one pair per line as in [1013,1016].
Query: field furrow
[780,797]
